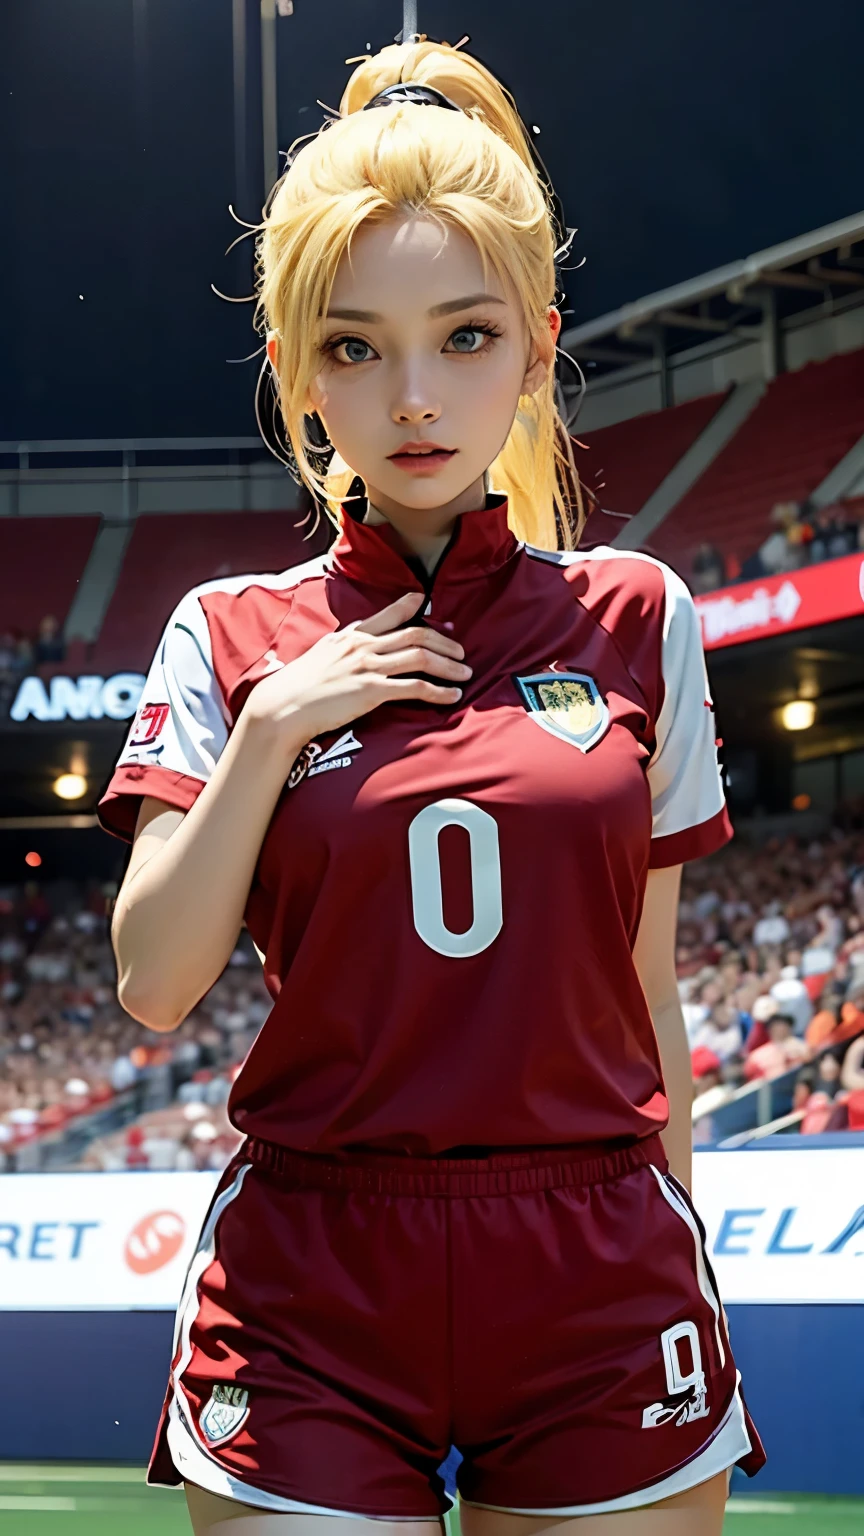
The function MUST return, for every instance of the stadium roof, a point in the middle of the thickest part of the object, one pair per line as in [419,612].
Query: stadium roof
[734,300]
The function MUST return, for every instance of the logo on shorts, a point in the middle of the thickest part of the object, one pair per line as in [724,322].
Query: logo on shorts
[225,1414]
[313,759]
[686,1394]
[569,704]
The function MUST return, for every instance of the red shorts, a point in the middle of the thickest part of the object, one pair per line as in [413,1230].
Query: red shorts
[553,1316]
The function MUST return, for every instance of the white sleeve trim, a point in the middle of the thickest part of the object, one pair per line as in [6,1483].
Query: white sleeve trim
[683,774]
[189,736]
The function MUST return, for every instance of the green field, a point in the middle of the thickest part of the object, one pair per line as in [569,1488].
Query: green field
[105,1501]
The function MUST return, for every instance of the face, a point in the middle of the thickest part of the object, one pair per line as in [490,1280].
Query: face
[420,350]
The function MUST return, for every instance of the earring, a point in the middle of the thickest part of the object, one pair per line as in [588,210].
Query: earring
[271,425]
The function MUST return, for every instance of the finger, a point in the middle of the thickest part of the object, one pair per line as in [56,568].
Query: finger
[395,613]
[417,659]
[397,639]
[418,688]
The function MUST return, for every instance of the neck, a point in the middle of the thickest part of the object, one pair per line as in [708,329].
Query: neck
[425,531]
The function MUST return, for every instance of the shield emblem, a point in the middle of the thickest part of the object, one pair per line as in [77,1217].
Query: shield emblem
[569,704]
[224,1414]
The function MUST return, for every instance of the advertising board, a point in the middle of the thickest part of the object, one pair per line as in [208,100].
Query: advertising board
[98,1240]
[776,605]
[782,1227]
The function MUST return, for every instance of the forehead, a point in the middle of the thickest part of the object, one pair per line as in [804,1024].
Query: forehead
[408,264]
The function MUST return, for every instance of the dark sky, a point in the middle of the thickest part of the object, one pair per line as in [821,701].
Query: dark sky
[680,135]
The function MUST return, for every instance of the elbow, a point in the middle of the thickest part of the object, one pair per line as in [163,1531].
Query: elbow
[155,1013]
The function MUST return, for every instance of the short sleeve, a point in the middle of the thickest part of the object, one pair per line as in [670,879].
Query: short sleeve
[688,808]
[180,728]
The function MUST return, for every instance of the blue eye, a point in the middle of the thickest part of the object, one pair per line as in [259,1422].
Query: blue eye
[468,339]
[356,351]
[351,348]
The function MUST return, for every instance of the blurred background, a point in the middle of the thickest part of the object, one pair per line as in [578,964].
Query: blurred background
[711,164]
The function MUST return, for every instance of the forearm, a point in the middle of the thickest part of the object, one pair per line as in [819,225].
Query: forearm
[176,921]
[677,1075]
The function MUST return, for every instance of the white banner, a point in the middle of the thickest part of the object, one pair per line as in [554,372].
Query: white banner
[95,1240]
[782,1227]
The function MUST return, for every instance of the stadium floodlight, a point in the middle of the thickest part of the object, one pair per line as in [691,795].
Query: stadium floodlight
[798,715]
[70,786]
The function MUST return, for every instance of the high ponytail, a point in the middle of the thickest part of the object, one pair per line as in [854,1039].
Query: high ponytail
[475,169]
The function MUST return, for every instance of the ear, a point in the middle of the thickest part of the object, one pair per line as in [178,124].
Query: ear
[542,356]
[273,349]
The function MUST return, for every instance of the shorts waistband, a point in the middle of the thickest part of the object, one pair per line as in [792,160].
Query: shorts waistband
[502,1173]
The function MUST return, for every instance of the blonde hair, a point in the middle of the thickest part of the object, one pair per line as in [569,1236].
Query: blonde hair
[471,169]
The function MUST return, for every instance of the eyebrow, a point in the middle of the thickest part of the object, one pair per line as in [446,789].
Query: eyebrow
[449,307]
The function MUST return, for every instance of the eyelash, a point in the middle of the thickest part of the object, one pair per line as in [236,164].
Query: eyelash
[484,327]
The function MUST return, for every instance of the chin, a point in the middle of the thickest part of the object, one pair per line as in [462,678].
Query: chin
[426,491]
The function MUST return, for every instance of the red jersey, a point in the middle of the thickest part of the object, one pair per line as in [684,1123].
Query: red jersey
[447,897]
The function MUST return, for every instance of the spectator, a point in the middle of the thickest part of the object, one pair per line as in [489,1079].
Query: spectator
[720,1033]
[792,998]
[136,1156]
[783,1050]
[827,1079]
[708,569]
[781,550]
[772,927]
[66,1046]
[834,533]
[50,645]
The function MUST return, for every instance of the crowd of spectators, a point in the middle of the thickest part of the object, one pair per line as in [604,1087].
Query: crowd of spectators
[800,535]
[21,654]
[71,1057]
[771,974]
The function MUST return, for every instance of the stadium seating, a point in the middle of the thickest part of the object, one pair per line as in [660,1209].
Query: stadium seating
[169,553]
[41,560]
[801,428]
[623,465]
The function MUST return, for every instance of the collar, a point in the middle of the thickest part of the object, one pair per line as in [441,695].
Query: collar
[481,542]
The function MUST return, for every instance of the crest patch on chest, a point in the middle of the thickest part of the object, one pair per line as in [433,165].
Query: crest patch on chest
[569,704]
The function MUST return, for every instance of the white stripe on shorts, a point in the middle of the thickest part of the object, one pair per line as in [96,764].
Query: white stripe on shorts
[194,1462]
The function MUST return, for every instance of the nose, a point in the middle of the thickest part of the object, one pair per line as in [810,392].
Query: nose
[414,401]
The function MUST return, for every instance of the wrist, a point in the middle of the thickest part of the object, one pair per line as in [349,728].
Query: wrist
[273,740]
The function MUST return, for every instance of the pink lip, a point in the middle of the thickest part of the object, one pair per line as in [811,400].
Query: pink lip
[421,445]
[422,458]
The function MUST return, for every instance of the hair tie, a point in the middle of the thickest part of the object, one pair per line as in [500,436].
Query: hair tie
[417,95]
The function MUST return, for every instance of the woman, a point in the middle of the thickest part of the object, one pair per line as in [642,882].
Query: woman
[448,780]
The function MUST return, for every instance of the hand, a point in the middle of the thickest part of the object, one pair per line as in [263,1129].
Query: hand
[347,673]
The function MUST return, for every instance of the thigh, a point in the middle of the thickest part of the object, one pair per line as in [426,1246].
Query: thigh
[210,1516]
[698,1512]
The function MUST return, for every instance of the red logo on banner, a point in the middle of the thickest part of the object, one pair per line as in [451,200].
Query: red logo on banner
[154,1242]
[818,594]
[151,719]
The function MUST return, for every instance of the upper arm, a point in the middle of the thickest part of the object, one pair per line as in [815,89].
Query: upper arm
[156,823]
[654,950]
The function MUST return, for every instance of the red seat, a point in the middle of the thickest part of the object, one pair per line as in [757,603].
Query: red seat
[171,552]
[803,425]
[623,465]
[41,561]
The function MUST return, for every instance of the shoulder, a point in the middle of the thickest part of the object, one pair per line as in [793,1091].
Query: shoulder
[623,588]
[238,609]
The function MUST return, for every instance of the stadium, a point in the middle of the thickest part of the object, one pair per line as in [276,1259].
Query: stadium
[722,432]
